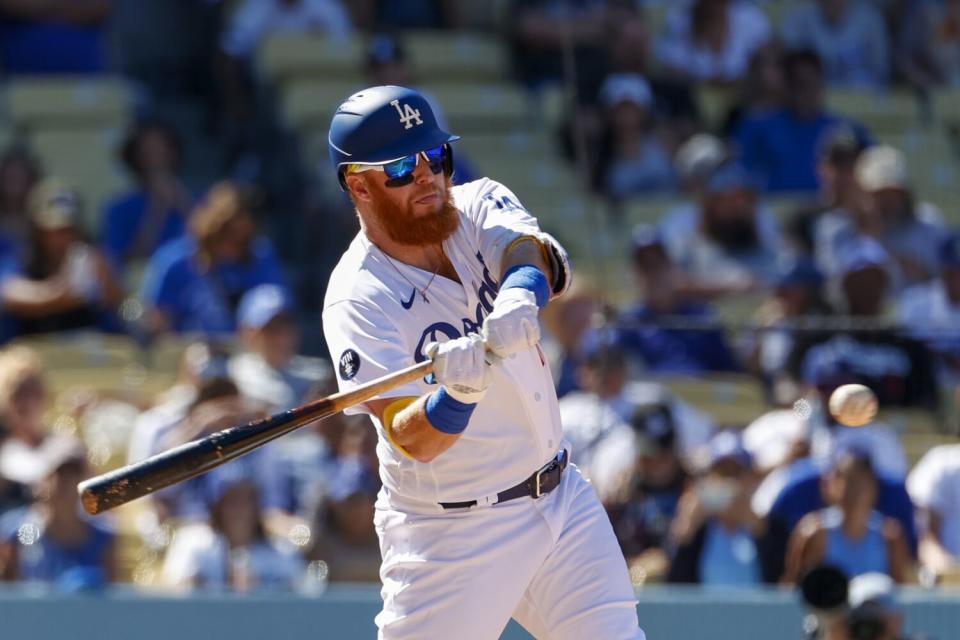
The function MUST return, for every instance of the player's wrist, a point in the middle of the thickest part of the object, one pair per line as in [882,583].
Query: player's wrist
[526,278]
[449,410]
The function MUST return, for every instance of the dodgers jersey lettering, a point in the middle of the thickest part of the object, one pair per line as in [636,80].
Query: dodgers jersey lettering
[375,326]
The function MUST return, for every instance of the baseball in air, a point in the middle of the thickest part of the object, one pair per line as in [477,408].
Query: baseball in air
[853,405]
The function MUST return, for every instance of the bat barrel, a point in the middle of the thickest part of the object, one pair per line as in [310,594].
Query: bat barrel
[181,463]
[188,460]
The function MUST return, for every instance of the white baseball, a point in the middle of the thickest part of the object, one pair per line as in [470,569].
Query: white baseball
[853,405]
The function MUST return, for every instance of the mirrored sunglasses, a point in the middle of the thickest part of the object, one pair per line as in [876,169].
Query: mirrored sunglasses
[400,172]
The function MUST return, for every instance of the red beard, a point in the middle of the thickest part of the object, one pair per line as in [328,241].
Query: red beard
[403,227]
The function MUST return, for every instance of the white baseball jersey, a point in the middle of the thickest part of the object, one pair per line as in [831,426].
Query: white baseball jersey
[376,322]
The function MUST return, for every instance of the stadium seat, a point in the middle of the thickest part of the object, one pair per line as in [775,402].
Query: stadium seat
[731,399]
[482,108]
[882,112]
[945,105]
[288,57]
[933,165]
[44,102]
[648,209]
[484,14]
[456,56]
[85,159]
[310,103]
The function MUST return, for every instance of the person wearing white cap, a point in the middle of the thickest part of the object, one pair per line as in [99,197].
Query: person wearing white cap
[872,601]
[64,282]
[269,369]
[910,231]
[635,159]
[934,486]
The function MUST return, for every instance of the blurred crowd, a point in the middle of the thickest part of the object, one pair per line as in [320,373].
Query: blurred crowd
[225,238]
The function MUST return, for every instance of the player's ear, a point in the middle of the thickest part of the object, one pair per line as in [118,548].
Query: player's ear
[358,187]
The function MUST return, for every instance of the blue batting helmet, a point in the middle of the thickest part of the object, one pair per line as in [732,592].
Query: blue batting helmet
[382,124]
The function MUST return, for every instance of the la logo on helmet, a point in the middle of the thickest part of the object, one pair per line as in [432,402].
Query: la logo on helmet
[407,114]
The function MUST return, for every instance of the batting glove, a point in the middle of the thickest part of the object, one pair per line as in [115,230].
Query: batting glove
[514,323]
[461,366]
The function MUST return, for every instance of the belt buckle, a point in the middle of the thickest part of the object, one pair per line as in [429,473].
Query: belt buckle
[545,469]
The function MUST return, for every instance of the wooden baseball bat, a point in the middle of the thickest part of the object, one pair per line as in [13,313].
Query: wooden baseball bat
[188,460]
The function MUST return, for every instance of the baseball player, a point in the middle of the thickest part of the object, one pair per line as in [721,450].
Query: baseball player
[481,516]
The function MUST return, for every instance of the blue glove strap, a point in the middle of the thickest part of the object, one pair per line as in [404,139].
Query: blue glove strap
[527,276]
[446,413]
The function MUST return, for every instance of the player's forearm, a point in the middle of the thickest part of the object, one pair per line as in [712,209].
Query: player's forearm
[412,430]
[529,251]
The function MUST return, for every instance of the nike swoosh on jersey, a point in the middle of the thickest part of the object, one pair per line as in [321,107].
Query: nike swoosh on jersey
[406,304]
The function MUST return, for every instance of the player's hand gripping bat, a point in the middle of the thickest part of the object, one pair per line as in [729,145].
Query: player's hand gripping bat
[181,463]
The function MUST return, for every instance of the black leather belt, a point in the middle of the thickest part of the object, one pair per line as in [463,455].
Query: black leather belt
[543,481]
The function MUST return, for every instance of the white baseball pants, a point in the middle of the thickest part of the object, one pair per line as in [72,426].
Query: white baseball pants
[553,564]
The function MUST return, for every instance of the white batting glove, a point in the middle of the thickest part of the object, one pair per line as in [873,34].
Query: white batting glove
[514,323]
[460,365]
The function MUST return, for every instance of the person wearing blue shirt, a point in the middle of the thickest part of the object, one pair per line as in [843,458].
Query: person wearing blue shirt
[155,212]
[781,145]
[53,37]
[195,283]
[52,541]
[665,349]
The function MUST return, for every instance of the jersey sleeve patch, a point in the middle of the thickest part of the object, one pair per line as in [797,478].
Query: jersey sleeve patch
[349,364]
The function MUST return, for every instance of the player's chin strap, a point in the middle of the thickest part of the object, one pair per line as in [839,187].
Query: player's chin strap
[554,255]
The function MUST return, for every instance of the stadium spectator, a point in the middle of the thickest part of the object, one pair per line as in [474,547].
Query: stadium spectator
[712,40]
[836,196]
[849,37]
[643,502]
[232,551]
[716,539]
[930,312]
[934,486]
[781,145]
[849,534]
[347,541]
[63,282]
[731,249]
[789,493]
[609,403]
[644,329]
[415,14]
[761,90]
[796,296]
[253,20]
[909,230]
[23,401]
[51,541]
[217,406]
[591,413]
[628,51]
[776,440]
[136,223]
[542,29]
[873,602]
[635,156]
[195,283]
[200,362]
[269,369]
[946,39]
[57,37]
[19,172]
[912,37]
[899,369]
